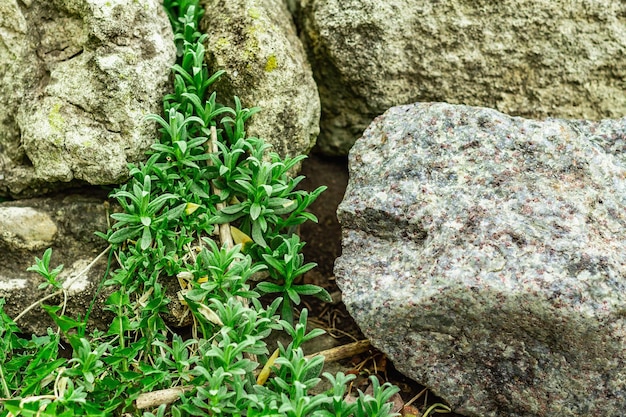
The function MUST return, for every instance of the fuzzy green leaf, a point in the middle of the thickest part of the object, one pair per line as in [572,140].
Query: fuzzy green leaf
[309,289]
[124,234]
[146,238]
[268,287]
[176,212]
[255,211]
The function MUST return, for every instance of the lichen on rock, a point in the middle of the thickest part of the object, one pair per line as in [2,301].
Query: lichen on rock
[255,42]
[77,80]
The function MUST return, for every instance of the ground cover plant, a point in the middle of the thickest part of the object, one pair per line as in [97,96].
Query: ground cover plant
[210,209]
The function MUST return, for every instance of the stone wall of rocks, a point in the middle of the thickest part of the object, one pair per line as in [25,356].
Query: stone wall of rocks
[77,78]
[495,246]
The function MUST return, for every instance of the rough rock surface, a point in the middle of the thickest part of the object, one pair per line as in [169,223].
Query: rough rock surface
[67,224]
[77,78]
[486,255]
[255,41]
[529,58]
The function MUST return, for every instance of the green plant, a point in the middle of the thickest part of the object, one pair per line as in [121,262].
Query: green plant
[265,197]
[285,264]
[42,267]
[143,214]
[175,227]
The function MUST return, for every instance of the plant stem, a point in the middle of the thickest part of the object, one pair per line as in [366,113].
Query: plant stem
[343,351]
[226,238]
[5,387]
[36,303]
[153,399]
[66,285]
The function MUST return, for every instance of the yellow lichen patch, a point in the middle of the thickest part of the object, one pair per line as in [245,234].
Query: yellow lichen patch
[271,63]
[222,43]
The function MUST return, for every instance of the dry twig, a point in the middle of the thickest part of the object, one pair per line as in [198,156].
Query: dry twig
[342,352]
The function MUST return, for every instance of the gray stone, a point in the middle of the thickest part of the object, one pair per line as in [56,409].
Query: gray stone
[67,225]
[255,41]
[77,78]
[529,58]
[486,256]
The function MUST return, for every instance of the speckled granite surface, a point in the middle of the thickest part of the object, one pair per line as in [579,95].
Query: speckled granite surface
[486,255]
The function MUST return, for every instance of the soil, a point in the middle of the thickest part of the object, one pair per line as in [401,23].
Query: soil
[323,246]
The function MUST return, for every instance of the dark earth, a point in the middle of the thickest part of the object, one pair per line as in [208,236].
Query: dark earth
[323,246]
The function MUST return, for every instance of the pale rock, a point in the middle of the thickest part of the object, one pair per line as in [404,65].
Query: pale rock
[24,228]
[255,42]
[77,78]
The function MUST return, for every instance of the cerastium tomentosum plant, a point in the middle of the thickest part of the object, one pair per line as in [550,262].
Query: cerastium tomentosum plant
[203,185]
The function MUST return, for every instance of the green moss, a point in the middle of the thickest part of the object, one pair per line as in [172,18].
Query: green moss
[254,13]
[271,63]
[55,119]
[131,58]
